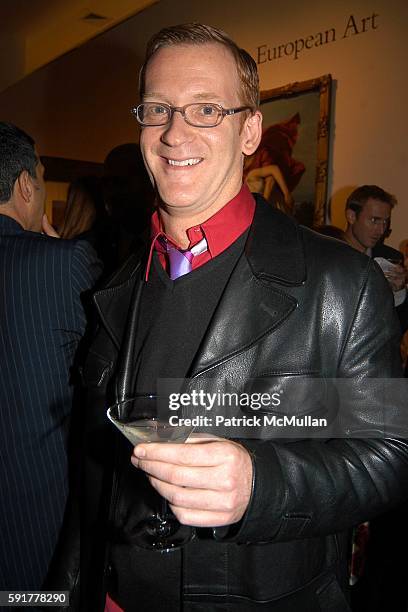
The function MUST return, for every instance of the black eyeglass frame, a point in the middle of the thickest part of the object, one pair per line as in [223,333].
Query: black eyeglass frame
[223,112]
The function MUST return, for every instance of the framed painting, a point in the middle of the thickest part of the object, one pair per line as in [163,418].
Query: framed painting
[290,165]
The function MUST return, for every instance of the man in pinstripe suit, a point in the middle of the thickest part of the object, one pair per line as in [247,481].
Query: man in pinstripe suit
[41,322]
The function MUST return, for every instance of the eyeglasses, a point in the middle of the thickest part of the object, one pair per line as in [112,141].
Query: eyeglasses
[201,114]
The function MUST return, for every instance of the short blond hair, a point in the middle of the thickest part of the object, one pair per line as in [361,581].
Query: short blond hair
[199,34]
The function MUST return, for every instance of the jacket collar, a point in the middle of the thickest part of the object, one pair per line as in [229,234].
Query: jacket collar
[8,225]
[274,248]
[114,300]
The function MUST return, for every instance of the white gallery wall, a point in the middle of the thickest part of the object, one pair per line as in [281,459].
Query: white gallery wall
[78,106]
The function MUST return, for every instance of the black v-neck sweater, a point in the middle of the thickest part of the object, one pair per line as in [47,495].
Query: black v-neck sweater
[174,317]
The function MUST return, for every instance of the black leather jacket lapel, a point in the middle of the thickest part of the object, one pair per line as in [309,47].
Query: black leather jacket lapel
[113,302]
[249,309]
[254,302]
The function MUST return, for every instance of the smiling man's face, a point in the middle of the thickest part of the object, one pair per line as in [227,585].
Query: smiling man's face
[195,170]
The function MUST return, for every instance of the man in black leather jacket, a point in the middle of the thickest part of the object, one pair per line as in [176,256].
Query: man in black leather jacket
[271,516]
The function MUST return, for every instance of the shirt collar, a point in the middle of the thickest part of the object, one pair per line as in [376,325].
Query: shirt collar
[220,230]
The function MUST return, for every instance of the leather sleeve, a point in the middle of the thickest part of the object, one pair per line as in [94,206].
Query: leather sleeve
[63,574]
[311,488]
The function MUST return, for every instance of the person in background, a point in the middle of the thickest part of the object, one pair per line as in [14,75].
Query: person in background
[84,207]
[129,201]
[368,214]
[86,218]
[42,281]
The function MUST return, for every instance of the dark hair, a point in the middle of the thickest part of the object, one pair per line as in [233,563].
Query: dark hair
[84,206]
[127,190]
[359,197]
[16,155]
[199,34]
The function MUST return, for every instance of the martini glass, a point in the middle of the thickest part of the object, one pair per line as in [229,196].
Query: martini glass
[139,419]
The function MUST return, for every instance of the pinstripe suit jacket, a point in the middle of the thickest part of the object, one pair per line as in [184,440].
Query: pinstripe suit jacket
[41,323]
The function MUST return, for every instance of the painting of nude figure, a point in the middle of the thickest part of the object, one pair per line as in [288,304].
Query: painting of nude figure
[289,167]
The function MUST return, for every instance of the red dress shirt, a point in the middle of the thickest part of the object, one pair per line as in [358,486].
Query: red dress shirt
[220,230]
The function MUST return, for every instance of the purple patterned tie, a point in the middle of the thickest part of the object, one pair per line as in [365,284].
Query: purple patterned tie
[180,262]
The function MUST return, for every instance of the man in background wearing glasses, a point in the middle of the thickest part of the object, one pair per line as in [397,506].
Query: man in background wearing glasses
[227,290]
